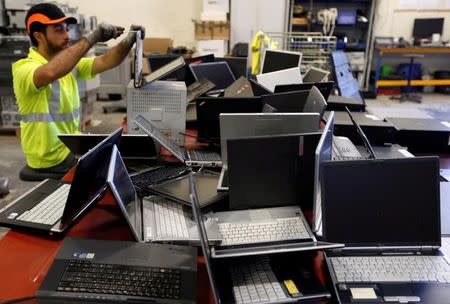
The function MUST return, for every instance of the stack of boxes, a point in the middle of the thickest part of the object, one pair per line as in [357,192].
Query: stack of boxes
[212,31]
[10,117]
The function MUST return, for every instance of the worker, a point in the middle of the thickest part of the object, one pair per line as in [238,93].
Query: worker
[46,88]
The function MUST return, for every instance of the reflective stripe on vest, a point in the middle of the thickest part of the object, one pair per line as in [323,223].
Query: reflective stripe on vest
[54,115]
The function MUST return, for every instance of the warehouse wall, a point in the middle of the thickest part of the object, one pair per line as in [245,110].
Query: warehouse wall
[162,18]
[389,22]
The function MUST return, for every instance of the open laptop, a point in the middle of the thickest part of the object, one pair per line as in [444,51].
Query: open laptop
[93,271]
[315,75]
[275,60]
[218,73]
[269,220]
[258,89]
[133,146]
[53,206]
[343,147]
[282,278]
[154,218]
[188,157]
[293,101]
[324,87]
[240,88]
[209,108]
[139,79]
[392,232]
[287,76]
[239,125]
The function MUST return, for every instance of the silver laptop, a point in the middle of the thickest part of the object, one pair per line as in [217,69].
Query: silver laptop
[240,125]
[315,75]
[287,76]
[257,279]
[139,80]
[192,157]
[155,218]
[276,60]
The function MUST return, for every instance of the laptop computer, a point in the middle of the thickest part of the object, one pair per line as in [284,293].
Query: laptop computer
[198,88]
[188,157]
[177,189]
[279,278]
[315,75]
[241,125]
[238,65]
[324,87]
[392,232]
[258,89]
[132,146]
[287,76]
[209,108]
[293,102]
[139,79]
[185,74]
[218,73]
[120,271]
[154,218]
[53,205]
[158,61]
[344,149]
[240,88]
[275,60]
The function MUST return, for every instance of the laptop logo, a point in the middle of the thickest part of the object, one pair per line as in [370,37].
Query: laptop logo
[83,255]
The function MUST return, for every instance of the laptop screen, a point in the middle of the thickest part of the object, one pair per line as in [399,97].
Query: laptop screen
[138,54]
[390,202]
[283,165]
[124,193]
[362,135]
[90,176]
[315,75]
[323,153]
[324,87]
[288,101]
[315,103]
[275,60]
[154,132]
[203,236]
[218,73]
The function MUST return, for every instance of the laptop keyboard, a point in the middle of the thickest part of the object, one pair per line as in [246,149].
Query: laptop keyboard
[203,155]
[50,209]
[261,232]
[154,176]
[344,150]
[254,281]
[391,269]
[170,220]
[88,277]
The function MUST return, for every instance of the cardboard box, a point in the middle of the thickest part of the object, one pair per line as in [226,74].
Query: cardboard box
[212,30]
[216,6]
[213,16]
[216,47]
[156,45]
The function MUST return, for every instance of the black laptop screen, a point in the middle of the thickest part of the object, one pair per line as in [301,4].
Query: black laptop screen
[279,60]
[271,171]
[288,102]
[324,87]
[381,202]
[218,73]
[90,176]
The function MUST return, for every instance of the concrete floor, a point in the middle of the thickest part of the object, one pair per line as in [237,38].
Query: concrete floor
[12,158]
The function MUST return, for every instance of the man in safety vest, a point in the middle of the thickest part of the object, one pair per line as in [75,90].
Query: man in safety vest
[45,83]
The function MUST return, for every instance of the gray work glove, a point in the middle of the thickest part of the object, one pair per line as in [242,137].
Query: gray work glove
[130,39]
[103,33]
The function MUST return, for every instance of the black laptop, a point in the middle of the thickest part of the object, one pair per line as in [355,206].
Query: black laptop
[121,271]
[287,102]
[387,212]
[53,205]
[324,87]
[132,146]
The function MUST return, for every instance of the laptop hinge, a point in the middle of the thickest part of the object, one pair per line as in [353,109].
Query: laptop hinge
[428,248]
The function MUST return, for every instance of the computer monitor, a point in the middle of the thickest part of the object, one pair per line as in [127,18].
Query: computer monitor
[425,28]
[275,60]
[346,16]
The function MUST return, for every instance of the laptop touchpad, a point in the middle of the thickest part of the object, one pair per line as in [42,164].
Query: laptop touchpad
[261,214]
[396,290]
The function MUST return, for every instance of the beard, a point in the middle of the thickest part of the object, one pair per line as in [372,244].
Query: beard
[54,49]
